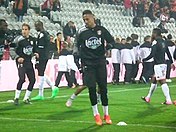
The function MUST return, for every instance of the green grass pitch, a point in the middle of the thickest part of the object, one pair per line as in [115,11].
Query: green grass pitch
[52,115]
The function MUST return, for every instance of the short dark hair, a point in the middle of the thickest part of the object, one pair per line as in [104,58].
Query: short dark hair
[27,25]
[134,36]
[157,31]
[87,12]
[58,33]
[128,39]
[146,37]
[39,23]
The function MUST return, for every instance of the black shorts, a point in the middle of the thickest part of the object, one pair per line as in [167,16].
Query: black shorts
[41,67]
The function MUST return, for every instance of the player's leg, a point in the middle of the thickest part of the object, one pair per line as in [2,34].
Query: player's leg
[116,67]
[153,86]
[128,73]
[31,75]
[168,71]
[102,83]
[21,74]
[41,70]
[164,85]
[151,90]
[69,80]
[98,95]
[55,89]
[74,95]
[90,81]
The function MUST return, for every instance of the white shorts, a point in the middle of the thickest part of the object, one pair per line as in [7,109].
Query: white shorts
[160,71]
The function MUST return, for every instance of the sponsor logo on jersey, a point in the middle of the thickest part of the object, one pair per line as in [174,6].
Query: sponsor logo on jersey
[93,42]
[28,50]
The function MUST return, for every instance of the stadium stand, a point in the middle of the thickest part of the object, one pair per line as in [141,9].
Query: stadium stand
[111,17]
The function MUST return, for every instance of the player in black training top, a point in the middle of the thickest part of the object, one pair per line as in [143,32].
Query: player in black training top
[26,48]
[159,48]
[43,42]
[90,42]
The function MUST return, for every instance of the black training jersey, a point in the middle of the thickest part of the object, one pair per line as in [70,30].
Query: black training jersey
[43,42]
[159,48]
[91,44]
[25,48]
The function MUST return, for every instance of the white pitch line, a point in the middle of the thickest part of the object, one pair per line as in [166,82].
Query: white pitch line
[85,122]
[154,126]
[114,91]
[86,94]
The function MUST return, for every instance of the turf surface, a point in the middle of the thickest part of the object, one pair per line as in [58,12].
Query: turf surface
[52,115]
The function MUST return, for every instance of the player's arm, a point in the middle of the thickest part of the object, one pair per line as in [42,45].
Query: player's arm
[36,54]
[169,55]
[175,54]
[47,39]
[19,55]
[109,39]
[76,45]
[153,51]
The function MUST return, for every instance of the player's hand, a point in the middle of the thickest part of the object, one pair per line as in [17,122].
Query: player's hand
[20,60]
[172,66]
[36,55]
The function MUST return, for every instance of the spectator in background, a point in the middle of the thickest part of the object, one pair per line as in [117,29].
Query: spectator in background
[2,3]
[136,21]
[153,10]
[20,9]
[52,48]
[47,6]
[134,5]
[69,31]
[164,18]
[56,5]
[163,4]
[173,9]
[59,42]
[128,7]
[141,12]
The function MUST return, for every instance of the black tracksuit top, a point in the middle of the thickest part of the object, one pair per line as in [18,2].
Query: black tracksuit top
[25,48]
[91,44]
[159,48]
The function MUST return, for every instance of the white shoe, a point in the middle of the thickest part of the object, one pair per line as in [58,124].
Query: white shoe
[168,80]
[68,103]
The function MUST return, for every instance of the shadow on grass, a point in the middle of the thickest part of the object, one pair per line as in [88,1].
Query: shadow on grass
[151,110]
[92,128]
[9,107]
[69,114]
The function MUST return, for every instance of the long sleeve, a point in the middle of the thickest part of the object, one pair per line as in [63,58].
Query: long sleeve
[169,55]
